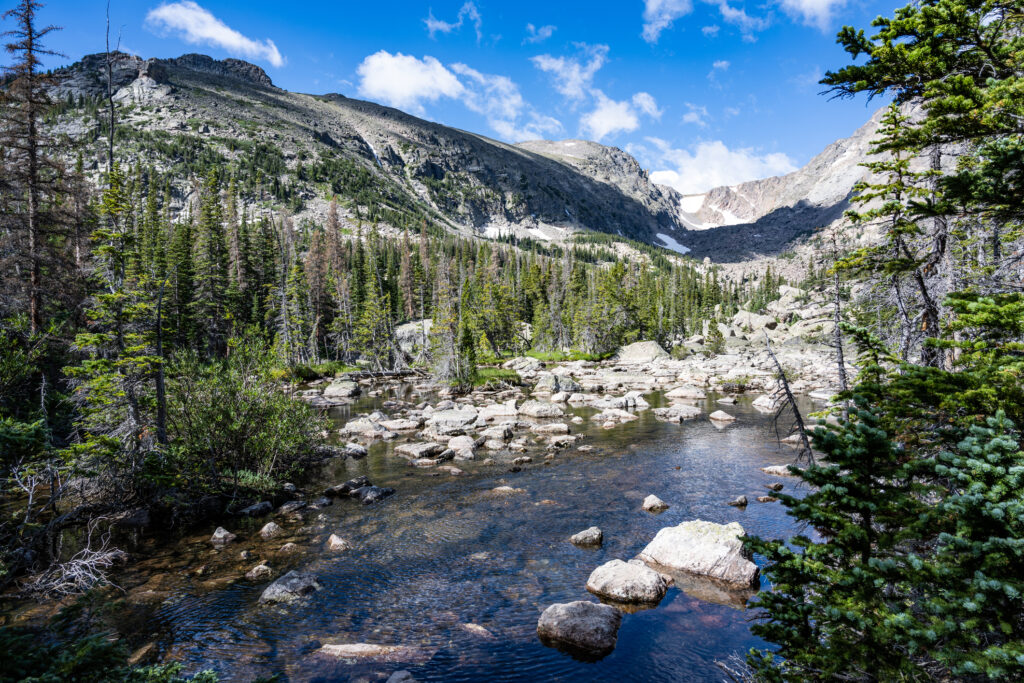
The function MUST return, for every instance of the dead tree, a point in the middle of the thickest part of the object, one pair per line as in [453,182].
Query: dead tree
[783,396]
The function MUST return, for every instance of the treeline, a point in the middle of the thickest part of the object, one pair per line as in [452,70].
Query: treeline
[144,336]
[916,569]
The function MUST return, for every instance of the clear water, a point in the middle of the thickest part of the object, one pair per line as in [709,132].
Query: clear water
[443,552]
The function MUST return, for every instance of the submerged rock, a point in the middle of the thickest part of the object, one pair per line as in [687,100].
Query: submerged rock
[348,487]
[377,653]
[372,494]
[584,628]
[588,538]
[290,587]
[705,549]
[627,582]
[422,449]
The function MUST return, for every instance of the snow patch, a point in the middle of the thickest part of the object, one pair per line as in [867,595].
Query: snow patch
[539,234]
[670,243]
[691,203]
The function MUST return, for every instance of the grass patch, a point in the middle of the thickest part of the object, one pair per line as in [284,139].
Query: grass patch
[496,377]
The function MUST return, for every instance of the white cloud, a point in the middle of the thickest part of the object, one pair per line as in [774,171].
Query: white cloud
[696,115]
[711,31]
[722,64]
[573,76]
[405,82]
[659,15]
[732,111]
[608,117]
[409,82]
[468,11]
[499,100]
[197,26]
[711,164]
[646,103]
[813,12]
[538,35]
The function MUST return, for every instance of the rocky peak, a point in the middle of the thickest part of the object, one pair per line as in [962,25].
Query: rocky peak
[88,76]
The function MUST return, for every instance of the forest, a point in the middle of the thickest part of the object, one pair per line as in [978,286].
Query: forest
[146,355]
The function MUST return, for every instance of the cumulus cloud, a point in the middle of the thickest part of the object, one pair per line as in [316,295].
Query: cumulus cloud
[468,11]
[711,31]
[499,100]
[405,81]
[198,26]
[409,82]
[538,35]
[573,75]
[659,15]
[712,163]
[608,117]
[816,13]
[612,116]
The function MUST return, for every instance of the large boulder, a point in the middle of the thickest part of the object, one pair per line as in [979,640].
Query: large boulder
[631,581]
[588,629]
[290,587]
[540,409]
[344,388]
[422,449]
[705,549]
[687,391]
[453,421]
[642,352]
[414,336]
[506,409]
[552,384]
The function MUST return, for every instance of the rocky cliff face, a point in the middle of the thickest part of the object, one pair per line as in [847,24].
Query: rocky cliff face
[764,217]
[467,182]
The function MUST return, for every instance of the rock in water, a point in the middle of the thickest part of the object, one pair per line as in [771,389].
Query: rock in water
[372,494]
[260,571]
[588,538]
[739,502]
[627,582]
[337,543]
[222,537]
[587,629]
[778,471]
[677,413]
[341,389]
[270,529]
[257,509]
[371,652]
[290,587]
[540,409]
[706,549]
[721,416]
[654,504]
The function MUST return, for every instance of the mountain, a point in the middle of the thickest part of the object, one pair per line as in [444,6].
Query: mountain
[193,107]
[763,217]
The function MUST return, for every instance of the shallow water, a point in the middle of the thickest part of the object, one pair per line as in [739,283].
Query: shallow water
[444,552]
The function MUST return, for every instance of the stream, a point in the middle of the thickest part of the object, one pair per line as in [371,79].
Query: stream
[444,552]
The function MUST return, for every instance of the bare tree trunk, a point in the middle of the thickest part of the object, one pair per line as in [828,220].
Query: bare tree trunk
[790,402]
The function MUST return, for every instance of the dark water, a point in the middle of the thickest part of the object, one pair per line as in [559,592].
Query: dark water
[444,552]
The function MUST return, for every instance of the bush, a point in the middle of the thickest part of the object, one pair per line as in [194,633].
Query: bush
[232,427]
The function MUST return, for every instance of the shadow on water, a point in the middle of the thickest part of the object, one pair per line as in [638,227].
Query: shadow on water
[459,576]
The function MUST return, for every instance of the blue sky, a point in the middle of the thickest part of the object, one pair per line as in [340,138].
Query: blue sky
[702,92]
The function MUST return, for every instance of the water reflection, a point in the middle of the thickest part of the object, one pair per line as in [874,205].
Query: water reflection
[445,568]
